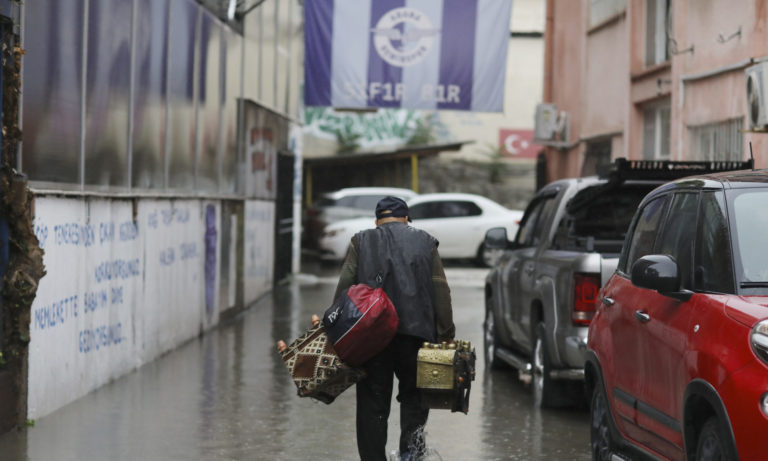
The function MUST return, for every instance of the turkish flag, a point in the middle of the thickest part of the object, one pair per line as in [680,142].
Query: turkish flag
[518,143]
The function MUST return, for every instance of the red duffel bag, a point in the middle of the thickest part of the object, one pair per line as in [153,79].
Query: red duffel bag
[360,323]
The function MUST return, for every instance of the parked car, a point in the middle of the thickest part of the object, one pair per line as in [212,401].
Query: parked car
[351,202]
[678,350]
[458,221]
[540,296]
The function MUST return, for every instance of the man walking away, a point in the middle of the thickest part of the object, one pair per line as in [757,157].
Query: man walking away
[407,261]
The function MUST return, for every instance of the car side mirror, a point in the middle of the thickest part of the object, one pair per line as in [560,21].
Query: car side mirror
[496,239]
[659,273]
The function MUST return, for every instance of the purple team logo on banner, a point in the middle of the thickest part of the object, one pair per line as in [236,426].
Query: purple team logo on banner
[425,54]
[400,46]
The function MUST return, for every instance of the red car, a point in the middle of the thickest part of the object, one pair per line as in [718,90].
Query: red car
[677,359]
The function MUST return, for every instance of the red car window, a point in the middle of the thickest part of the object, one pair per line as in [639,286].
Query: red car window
[750,224]
[677,236]
[713,264]
[644,234]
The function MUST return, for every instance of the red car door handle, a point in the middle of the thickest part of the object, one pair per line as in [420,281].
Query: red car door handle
[642,317]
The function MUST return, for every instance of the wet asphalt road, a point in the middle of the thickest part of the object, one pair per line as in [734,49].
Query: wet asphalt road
[227,396]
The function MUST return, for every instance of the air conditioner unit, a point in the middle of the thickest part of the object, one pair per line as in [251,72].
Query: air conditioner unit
[550,125]
[546,121]
[757,99]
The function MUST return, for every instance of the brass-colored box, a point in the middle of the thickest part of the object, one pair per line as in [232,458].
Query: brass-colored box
[434,369]
[443,374]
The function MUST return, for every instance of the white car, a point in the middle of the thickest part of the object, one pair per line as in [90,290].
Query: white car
[458,221]
[347,203]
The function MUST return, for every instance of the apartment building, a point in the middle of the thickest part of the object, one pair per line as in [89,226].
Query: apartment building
[652,79]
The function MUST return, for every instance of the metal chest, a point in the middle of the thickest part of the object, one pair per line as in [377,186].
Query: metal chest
[444,373]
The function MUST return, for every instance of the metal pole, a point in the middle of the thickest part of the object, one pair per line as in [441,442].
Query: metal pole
[241,118]
[83,86]
[289,59]
[132,92]
[198,43]
[261,46]
[276,60]
[220,102]
[296,140]
[167,129]
[415,173]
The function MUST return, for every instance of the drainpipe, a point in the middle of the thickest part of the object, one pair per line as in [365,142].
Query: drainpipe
[548,50]
[297,148]
[549,47]
[415,173]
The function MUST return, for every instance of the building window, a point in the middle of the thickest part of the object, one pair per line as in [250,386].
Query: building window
[717,141]
[656,23]
[601,10]
[656,131]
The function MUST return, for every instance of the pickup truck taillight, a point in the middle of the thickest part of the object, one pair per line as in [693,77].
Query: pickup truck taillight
[585,288]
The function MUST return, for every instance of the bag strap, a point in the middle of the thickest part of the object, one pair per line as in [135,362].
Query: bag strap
[375,243]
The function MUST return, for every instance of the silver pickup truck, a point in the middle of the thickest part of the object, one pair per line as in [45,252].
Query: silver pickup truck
[540,295]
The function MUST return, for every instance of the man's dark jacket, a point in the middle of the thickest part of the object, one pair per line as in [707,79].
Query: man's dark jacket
[415,282]
[402,256]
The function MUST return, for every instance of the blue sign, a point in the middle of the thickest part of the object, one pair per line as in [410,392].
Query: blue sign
[414,54]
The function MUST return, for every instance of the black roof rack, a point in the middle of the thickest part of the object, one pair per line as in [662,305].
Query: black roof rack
[667,170]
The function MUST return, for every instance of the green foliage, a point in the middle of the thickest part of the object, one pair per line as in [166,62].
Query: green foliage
[30,423]
[495,166]
[423,132]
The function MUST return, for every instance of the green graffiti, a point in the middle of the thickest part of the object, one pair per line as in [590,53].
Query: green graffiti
[384,125]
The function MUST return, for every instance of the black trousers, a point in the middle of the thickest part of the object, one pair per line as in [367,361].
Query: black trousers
[374,395]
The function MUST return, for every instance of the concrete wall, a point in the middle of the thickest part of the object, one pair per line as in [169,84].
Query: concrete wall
[563,78]
[605,85]
[128,280]
[723,34]
[273,58]
[127,103]
[259,243]
[510,183]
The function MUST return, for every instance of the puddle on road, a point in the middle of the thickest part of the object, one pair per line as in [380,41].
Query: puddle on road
[227,396]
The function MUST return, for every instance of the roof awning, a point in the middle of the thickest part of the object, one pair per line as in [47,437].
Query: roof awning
[372,157]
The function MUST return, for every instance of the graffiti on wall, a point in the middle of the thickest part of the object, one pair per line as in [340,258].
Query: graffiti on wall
[267,134]
[124,284]
[210,259]
[261,152]
[95,303]
[383,127]
[259,248]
